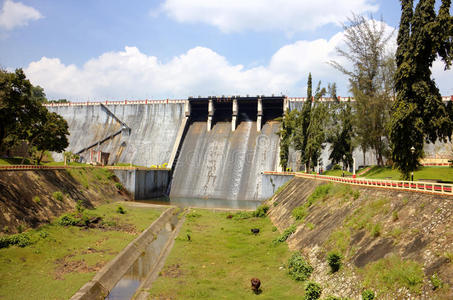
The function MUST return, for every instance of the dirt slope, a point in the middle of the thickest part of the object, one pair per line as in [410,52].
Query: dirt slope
[27,197]
[392,242]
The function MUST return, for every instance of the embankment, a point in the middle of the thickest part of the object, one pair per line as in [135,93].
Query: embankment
[30,198]
[153,130]
[222,164]
[392,242]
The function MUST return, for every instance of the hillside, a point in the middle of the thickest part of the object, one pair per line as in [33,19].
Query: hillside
[30,198]
[398,244]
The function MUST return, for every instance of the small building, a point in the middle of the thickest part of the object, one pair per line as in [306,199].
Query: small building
[99,158]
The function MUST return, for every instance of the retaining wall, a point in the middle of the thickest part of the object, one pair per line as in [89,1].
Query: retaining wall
[144,184]
[270,183]
[108,276]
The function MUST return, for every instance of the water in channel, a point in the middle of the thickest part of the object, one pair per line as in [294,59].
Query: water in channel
[137,273]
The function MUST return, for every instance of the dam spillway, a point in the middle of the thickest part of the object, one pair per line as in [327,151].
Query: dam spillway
[225,164]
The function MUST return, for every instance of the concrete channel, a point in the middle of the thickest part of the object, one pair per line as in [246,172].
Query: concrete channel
[131,272]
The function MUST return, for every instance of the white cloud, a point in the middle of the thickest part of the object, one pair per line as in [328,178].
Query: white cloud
[262,15]
[131,74]
[15,14]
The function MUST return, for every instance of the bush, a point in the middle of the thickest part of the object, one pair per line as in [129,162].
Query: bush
[58,196]
[312,291]
[298,268]
[37,200]
[261,211]
[119,186]
[20,240]
[68,220]
[285,235]
[367,295]
[436,282]
[120,210]
[334,260]
[336,167]
[79,206]
[299,212]
[241,215]
[376,230]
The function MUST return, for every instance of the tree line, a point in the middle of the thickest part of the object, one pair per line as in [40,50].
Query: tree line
[25,121]
[397,107]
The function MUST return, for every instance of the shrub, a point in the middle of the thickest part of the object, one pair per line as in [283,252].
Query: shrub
[310,226]
[299,212]
[367,295]
[336,167]
[58,196]
[79,206]
[120,210]
[298,268]
[261,211]
[20,228]
[193,215]
[334,260]
[436,282]
[274,229]
[119,186]
[37,200]
[312,291]
[68,220]
[376,230]
[241,215]
[285,235]
[20,240]
[395,216]
[43,234]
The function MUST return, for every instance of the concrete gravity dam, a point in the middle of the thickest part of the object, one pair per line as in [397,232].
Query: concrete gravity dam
[214,147]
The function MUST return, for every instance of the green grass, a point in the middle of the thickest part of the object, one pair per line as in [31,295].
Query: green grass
[14,161]
[336,173]
[431,173]
[35,271]
[389,274]
[222,257]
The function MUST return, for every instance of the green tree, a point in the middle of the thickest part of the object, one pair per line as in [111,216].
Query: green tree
[303,122]
[316,133]
[341,134]
[418,112]
[370,81]
[287,128]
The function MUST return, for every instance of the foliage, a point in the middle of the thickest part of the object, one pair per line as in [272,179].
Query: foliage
[341,134]
[371,80]
[367,295]
[418,112]
[242,215]
[286,133]
[37,200]
[285,234]
[24,119]
[388,273]
[303,122]
[299,213]
[119,186]
[120,210]
[298,268]
[261,211]
[20,240]
[57,195]
[312,291]
[436,281]
[334,261]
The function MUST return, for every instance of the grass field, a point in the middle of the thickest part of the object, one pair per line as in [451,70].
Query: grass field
[63,259]
[431,173]
[221,258]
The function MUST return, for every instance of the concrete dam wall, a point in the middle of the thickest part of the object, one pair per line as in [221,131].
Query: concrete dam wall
[153,130]
[223,164]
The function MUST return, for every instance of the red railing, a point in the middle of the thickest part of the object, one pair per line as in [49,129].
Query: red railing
[32,167]
[416,186]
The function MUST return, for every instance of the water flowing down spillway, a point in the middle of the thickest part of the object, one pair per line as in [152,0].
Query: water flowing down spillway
[222,164]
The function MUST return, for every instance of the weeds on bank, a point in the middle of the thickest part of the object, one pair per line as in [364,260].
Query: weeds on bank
[390,273]
[285,234]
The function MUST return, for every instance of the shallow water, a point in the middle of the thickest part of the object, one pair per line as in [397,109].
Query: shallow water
[205,203]
[137,273]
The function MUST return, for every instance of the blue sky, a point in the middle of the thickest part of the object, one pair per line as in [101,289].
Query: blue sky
[97,50]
